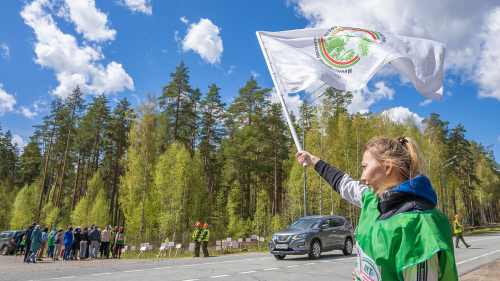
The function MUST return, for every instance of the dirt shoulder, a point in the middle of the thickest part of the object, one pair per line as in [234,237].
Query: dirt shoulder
[488,272]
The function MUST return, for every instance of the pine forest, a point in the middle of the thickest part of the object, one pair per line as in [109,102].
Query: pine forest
[185,156]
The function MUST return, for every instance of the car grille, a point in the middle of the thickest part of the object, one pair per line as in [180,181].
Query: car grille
[283,238]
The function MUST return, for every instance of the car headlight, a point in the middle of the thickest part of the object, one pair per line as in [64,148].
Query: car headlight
[300,236]
[274,237]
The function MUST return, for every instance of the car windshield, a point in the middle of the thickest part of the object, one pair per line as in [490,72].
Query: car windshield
[305,224]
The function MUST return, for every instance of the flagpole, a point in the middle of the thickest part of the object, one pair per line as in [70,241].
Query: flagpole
[283,105]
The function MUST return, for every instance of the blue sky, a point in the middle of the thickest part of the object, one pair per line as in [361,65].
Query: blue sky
[127,48]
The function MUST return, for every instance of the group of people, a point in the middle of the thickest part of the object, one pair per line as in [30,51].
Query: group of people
[82,243]
[201,238]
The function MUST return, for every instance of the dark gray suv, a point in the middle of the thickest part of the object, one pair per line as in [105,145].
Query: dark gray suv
[313,235]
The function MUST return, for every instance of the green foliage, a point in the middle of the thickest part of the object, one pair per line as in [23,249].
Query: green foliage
[25,206]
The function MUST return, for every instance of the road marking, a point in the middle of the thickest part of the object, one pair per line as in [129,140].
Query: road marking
[218,276]
[274,268]
[477,257]
[134,270]
[190,280]
[103,273]
[246,272]
[162,267]
[295,265]
[309,263]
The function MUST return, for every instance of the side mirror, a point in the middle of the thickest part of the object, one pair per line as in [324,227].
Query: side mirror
[325,226]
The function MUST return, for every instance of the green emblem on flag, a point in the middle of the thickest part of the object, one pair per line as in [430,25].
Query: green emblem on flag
[343,47]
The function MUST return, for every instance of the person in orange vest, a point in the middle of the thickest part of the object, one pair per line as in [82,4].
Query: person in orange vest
[458,232]
[196,237]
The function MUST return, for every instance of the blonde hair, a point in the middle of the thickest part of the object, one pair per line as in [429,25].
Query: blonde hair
[402,152]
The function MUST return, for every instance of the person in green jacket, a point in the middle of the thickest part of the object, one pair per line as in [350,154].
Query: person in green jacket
[36,243]
[401,235]
[204,238]
[458,232]
[196,238]
[50,244]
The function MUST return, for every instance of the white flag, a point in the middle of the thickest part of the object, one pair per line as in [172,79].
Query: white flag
[346,58]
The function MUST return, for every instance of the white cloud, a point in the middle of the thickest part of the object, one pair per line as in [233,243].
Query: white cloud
[365,97]
[255,74]
[203,38]
[401,114]
[184,20]
[488,70]
[498,138]
[292,101]
[138,99]
[6,51]
[37,105]
[73,64]
[164,51]
[176,36]
[231,68]
[27,112]
[471,32]
[16,139]
[89,20]
[7,101]
[426,102]
[142,6]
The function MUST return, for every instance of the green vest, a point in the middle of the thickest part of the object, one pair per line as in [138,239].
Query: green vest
[51,239]
[387,247]
[206,233]
[197,234]
[458,228]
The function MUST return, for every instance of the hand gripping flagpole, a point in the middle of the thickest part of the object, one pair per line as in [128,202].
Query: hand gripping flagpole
[283,104]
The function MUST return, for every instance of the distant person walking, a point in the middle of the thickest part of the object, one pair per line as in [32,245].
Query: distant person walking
[95,238]
[84,237]
[119,242]
[36,243]
[28,241]
[197,239]
[68,241]
[458,232]
[58,242]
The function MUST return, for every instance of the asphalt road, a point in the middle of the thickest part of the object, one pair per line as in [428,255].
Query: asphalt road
[331,266]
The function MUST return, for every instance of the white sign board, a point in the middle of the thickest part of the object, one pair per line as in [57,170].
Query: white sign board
[123,250]
[249,240]
[163,244]
[224,244]
[171,244]
[217,248]
[240,240]
[162,248]
[218,243]
[235,244]
[133,248]
[144,245]
[254,237]
[126,247]
[262,239]
[143,248]
[178,246]
[228,239]
[150,247]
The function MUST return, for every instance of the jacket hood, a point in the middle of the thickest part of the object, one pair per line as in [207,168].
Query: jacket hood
[419,186]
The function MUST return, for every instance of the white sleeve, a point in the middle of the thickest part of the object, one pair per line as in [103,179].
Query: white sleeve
[342,183]
[427,270]
[352,190]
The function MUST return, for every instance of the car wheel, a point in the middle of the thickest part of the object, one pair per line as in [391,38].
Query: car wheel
[5,251]
[315,250]
[347,247]
[280,257]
